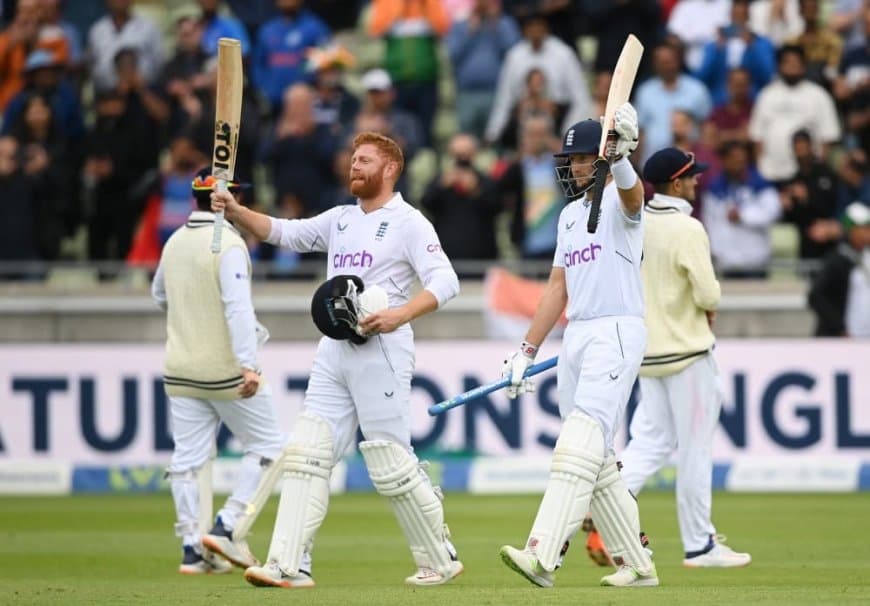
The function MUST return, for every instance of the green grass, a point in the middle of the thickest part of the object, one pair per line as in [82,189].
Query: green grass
[807,549]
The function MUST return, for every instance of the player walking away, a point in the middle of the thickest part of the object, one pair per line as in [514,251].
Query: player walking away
[211,376]
[679,383]
[598,277]
[361,377]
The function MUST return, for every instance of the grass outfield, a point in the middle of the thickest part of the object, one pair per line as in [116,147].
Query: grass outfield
[807,549]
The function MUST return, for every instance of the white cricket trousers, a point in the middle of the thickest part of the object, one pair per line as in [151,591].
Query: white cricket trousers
[195,425]
[679,411]
[597,367]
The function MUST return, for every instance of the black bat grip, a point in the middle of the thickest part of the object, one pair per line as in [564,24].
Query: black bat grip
[600,167]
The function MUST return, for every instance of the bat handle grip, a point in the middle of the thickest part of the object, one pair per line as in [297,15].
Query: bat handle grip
[220,185]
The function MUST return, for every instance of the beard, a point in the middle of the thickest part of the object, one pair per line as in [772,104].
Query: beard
[366,187]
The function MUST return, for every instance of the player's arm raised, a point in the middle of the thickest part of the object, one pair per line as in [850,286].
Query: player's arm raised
[628,185]
[258,224]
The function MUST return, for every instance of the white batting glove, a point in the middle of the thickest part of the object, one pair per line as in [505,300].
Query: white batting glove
[515,367]
[625,125]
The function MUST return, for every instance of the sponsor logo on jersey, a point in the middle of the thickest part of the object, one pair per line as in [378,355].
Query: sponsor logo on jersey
[341,227]
[343,259]
[570,226]
[583,255]
[433,248]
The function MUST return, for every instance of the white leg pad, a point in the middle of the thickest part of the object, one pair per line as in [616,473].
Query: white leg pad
[272,472]
[191,492]
[617,519]
[307,464]
[577,459]
[205,486]
[396,475]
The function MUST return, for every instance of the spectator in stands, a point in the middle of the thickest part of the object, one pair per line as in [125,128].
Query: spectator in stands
[611,23]
[28,225]
[51,158]
[739,208]
[52,17]
[696,23]
[183,78]
[847,21]
[463,204]
[785,106]
[179,170]
[840,294]
[144,101]
[384,117]
[854,173]
[809,200]
[44,75]
[334,105]
[822,46]
[253,13]
[477,47]
[123,29]
[690,137]
[534,101]
[301,153]
[778,20]
[25,34]
[281,47]
[736,45]
[216,26]
[660,95]
[120,152]
[411,30]
[566,82]
[530,191]
[561,15]
[339,15]
[852,90]
[731,118]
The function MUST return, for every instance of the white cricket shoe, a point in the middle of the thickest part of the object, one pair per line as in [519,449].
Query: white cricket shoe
[429,576]
[271,575]
[205,562]
[720,556]
[629,576]
[526,563]
[237,552]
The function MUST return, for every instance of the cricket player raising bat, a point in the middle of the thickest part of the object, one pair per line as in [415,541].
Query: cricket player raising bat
[597,275]
[362,371]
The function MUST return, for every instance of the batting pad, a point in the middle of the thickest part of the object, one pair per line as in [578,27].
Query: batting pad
[252,509]
[192,494]
[307,464]
[577,459]
[397,476]
[617,519]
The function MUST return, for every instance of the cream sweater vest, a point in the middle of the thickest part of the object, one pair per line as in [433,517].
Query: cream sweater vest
[200,362]
[679,285]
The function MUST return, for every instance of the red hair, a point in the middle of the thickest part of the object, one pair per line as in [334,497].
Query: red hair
[386,146]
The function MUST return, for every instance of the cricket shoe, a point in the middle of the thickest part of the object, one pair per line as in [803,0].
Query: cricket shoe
[271,575]
[595,545]
[194,562]
[428,576]
[220,541]
[629,576]
[526,564]
[718,555]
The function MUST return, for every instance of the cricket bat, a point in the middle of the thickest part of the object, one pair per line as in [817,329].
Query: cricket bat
[227,116]
[620,90]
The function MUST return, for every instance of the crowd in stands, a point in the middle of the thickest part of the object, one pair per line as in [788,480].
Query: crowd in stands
[107,109]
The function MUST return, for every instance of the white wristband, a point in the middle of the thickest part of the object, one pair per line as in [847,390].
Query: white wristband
[623,174]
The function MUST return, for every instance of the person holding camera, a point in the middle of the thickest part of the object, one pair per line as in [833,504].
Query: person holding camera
[463,204]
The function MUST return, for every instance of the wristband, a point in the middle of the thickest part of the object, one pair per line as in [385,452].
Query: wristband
[529,350]
[623,174]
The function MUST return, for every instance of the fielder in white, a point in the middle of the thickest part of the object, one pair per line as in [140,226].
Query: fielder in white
[598,277]
[211,376]
[362,370]
[679,383]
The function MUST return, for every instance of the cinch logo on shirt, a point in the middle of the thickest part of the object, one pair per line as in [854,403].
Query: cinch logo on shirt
[357,259]
[584,255]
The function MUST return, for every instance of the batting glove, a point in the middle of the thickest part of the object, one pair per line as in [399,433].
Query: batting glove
[625,125]
[515,367]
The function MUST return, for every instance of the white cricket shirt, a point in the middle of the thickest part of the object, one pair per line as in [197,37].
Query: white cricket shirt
[602,270]
[390,247]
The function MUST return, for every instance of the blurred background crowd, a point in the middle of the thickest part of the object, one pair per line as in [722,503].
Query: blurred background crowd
[107,110]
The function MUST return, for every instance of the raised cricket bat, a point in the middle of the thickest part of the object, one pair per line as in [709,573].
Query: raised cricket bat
[227,116]
[620,90]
